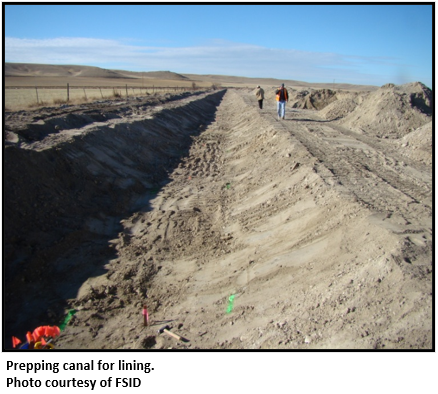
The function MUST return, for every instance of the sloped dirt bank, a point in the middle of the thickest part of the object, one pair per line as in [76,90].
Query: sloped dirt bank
[298,234]
[70,177]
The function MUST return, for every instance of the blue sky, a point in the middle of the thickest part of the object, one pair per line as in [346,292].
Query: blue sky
[359,44]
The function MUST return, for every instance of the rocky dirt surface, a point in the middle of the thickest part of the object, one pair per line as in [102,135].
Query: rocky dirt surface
[237,230]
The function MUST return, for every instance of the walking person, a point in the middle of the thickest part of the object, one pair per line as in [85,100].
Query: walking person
[282,98]
[260,94]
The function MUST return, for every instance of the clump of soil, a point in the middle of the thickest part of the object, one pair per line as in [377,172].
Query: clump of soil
[313,99]
[418,144]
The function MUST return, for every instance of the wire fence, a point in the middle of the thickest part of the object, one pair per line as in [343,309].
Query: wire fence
[31,96]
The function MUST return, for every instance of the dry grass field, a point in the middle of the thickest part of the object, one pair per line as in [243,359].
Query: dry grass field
[23,98]
[49,91]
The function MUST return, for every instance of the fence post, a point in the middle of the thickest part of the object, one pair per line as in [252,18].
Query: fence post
[101,92]
[68,93]
[85,95]
[37,94]
[126,90]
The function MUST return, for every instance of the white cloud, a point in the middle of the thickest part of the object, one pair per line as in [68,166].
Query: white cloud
[65,50]
[216,57]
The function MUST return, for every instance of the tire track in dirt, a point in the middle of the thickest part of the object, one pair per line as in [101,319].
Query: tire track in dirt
[369,174]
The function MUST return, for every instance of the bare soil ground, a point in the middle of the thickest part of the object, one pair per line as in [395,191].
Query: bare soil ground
[238,230]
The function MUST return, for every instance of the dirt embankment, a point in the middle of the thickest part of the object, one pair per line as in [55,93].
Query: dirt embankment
[71,174]
[236,229]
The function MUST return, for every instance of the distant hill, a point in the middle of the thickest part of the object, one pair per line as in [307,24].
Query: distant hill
[244,80]
[235,80]
[169,75]
[23,70]
[47,70]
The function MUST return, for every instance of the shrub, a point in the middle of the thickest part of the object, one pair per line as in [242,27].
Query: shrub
[59,101]
[116,93]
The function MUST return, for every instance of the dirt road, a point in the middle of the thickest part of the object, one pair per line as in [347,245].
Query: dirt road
[238,230]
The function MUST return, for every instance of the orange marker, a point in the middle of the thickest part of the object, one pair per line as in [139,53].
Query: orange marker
[15,341]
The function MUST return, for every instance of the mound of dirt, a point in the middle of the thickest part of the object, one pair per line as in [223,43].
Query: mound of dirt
[389,112]
[392,111]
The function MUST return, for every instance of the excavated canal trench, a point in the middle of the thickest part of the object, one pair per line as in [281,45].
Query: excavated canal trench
[70,180]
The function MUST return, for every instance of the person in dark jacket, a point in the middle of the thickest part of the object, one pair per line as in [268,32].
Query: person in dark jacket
[282,98]
[260,94]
